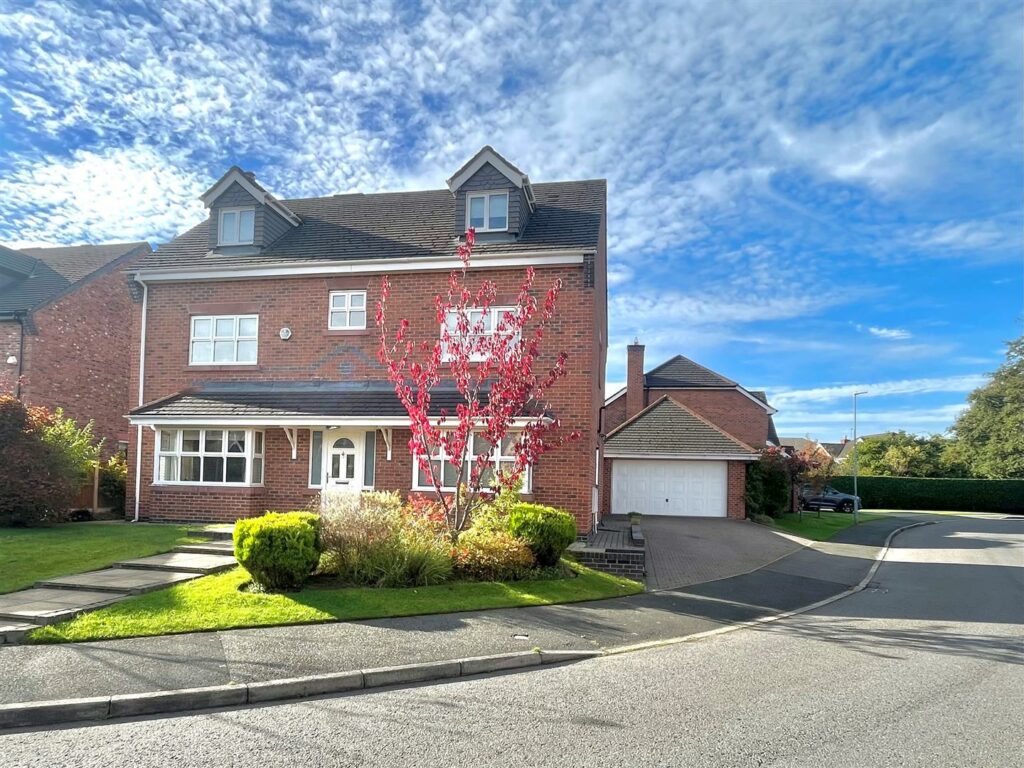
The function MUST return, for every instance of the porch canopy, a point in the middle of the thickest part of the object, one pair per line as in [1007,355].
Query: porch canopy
[288,404]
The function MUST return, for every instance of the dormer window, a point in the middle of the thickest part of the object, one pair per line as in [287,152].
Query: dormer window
[236,226]
[487,212]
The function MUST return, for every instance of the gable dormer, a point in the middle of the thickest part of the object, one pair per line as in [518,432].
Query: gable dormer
[492,196]
[244,217]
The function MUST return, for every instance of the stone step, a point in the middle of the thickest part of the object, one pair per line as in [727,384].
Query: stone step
[186,562]
[12,633]
[208,548]
[46,605]
[217,533]
[123,581]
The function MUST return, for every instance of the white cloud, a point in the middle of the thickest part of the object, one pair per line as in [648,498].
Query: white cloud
[121,194]
[893,334]
[797,398]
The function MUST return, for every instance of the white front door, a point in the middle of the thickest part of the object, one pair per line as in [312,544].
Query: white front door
[343,461]
[665,487]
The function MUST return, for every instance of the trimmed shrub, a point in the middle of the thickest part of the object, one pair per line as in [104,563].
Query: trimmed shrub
[768,489]
[279,550]
[546,530]
[489,555]
[937,493]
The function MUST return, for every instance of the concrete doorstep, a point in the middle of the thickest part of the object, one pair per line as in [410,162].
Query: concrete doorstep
[45,713]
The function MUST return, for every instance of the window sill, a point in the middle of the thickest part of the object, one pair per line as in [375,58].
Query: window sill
[223,367]
[347,332]
[205,487]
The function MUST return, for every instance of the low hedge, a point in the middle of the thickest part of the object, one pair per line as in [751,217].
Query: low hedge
[936,493]
[279,550]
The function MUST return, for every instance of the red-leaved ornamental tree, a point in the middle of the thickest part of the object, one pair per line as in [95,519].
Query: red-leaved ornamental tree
[490,359]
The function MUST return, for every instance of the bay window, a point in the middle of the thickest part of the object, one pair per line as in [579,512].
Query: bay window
[209,457]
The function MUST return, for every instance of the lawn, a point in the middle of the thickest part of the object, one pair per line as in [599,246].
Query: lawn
[216,602]
[820,528]
[31,554]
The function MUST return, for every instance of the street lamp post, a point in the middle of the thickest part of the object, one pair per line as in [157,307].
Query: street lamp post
[856,497]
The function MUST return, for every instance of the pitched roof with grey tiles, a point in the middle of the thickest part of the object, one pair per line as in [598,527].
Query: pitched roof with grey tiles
[399,225]
[40,275]
[311,399]
[667,428]
[683,372]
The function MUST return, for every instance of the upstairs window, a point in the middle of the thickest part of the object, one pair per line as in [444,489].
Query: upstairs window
[483,324]
[487,212]
[348,310]
[236,226]
[223,340]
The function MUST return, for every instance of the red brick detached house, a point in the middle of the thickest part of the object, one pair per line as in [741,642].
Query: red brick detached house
[65,332]
[256,380]
[678,439]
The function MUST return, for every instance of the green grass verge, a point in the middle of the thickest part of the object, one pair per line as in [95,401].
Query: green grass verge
[215,602]
[820,528]
[31,554]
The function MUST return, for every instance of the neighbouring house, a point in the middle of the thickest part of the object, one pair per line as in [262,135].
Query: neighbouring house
[678,438]
[839,451]
[807,446]
[65,332]
[256,382]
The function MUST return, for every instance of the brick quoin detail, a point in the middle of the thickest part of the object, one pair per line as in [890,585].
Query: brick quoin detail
[563,478]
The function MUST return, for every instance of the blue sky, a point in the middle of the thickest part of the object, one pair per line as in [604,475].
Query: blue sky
[809,197]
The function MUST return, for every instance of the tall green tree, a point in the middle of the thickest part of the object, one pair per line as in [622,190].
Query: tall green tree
[901,454]
[990,432]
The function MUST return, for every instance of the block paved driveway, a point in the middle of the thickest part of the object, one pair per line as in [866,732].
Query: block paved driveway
[689,550]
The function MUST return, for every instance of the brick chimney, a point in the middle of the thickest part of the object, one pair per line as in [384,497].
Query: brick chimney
[634,378]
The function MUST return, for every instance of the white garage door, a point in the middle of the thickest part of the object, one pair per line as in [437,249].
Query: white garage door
[682,488]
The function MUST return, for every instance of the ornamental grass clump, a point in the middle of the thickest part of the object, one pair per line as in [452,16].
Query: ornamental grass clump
[375,540]
[279,550]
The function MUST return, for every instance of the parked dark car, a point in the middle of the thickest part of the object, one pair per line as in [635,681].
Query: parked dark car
[827,498]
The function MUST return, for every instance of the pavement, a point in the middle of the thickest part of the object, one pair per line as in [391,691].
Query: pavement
[923,668]
[38,673]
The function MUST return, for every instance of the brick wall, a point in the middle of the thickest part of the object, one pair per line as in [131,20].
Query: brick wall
[78,355]
[563,478]
[736,502]
[727,409]
[10,335]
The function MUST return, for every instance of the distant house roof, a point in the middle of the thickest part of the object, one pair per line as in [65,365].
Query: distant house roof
[681,371]
[36,276]
[398,225]
[669,430]
[835,449]
[803,445]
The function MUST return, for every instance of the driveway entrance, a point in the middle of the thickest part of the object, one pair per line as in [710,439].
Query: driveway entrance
[682,551]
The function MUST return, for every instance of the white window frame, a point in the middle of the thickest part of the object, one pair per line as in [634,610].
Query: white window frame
[496,457]
[470,196]
[496,316]
[347,310]
[250,455]
[221,229]
[212,338]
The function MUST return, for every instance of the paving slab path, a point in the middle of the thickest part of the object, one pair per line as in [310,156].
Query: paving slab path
[35,673]
[64,597]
